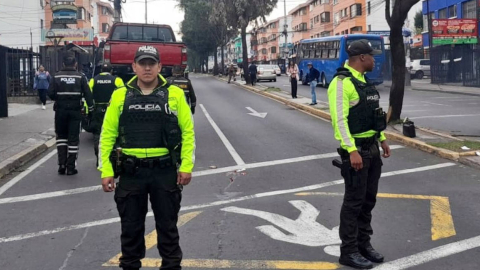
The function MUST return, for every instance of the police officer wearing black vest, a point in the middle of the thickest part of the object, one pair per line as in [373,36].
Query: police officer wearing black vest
[183,82]
[358,122]
[67,90]
[102,87]
[151,123]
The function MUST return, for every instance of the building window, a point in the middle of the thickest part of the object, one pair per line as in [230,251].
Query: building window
[336,18]
[106,28]
[322,2]
[369,7]
[469,10]
[452,11]
[442,13]
[369,27]
[264,51]
[355,10]
[273,50]
[325,17]
[81,13]
[105,11]
[426,21]
[41,24]
[356,29]
[335,2]
[316,19]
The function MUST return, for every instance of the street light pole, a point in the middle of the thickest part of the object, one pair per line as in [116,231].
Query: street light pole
[146,11]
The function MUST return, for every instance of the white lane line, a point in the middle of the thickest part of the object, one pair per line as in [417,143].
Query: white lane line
[438,104]
[415,111]
[224,139]
[444,116]
[431,255]
[19,177]
[60,193]
[217,203]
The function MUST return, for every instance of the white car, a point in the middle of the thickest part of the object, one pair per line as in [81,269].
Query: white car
[277,70]
[420,68]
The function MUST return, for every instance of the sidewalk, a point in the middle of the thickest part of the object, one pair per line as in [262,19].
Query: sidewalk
[24,134]
[425,85]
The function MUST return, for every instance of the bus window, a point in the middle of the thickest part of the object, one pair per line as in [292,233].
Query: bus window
[375,43]
[332,53]
[318,50]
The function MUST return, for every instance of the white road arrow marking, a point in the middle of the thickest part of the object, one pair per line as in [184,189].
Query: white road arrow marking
[305,230]
[255,113]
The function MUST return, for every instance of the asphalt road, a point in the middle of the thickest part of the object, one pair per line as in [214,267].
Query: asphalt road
[456,114]
[280,212]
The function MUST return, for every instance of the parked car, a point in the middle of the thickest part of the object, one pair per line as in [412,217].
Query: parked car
[264,72]
[420,68]
[277,69]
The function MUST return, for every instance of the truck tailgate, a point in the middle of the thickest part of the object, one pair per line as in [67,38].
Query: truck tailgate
[122,53]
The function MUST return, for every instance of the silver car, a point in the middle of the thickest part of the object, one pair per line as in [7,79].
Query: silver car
[420,68]
[266,72]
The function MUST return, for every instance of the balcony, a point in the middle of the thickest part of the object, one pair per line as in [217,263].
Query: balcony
[68,7]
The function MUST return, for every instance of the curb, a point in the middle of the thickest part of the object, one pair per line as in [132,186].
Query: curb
[416,144]
[12,163]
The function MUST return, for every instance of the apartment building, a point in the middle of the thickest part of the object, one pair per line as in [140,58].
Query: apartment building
[320,14]
[300,20]
[103,20]
[349,17]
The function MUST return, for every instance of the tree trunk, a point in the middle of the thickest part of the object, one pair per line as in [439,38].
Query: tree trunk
[398,72]
[245,55]
[223,60]
[215,64]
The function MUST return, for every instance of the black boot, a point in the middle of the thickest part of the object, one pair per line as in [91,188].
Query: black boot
[72,171]
[371,254]
[62,169]
[355,260]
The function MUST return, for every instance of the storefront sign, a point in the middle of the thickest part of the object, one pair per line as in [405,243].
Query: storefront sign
[85,34]
[454,31]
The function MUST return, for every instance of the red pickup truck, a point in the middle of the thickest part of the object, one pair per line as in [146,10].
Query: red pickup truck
[125,38]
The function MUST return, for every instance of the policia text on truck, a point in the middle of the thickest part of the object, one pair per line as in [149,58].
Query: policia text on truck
[358,122]
[151,123]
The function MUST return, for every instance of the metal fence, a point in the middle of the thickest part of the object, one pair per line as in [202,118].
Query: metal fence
[20,67]
[459,64]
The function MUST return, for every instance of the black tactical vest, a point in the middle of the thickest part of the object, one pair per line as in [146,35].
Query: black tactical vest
[104,85]
[361,117]
[147,122]
[182,83]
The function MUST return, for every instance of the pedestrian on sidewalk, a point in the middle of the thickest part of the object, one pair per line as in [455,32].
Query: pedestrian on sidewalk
[312,78]
[41,84]
[358,122]
[293,76]
[152,123]
[67,90]
[252,69]
[231,73]
[102,87]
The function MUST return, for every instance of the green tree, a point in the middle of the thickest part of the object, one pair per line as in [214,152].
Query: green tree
[239,14]
[396,20]
[419,22]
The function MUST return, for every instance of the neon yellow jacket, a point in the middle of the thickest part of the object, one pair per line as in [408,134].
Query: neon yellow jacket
[341,97]
[91,83]
[178,105]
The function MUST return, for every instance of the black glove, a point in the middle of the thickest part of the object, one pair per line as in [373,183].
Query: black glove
[193,109]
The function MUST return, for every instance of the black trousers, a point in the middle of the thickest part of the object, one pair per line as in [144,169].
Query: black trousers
[358,203]
[253,77]
[42,94]
[131,196]
[67,129]
[294,83]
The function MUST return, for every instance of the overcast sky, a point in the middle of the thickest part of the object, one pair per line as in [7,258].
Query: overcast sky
[167,11]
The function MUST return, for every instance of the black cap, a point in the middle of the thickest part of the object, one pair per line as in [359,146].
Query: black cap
[147,52]
[69,59]
[361,46]
[106,67]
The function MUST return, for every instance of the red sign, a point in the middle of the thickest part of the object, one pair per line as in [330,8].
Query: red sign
[448,31]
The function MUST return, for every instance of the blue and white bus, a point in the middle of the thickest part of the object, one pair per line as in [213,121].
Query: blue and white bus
[329,53]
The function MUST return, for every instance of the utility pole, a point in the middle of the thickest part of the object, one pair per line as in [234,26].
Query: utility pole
[146,12]
[117,5]
[285,32]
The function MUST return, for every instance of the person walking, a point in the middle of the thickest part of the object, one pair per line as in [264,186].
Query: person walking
[293,76]
[153,126]
[358,122]
[41,84]
[185,84]
[102,87]
[252,69]
[67,90]
[312,78]
[231,73]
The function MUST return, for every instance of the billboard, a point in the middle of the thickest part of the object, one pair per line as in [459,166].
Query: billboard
[454,31]
[65,16]
[85,34]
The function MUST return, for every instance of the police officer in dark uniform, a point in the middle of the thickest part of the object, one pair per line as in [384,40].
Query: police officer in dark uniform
[67,90]
[358,122]
[183,82]
[151,122]
[102,87]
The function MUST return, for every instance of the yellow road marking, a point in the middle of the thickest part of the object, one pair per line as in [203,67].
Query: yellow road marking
[151,238]
[441,215]
[246,264]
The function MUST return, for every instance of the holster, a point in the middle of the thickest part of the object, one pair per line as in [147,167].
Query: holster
[352,177]
[116,163]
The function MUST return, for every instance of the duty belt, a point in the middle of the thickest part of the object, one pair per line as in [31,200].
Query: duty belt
[131,162]
[366,142]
